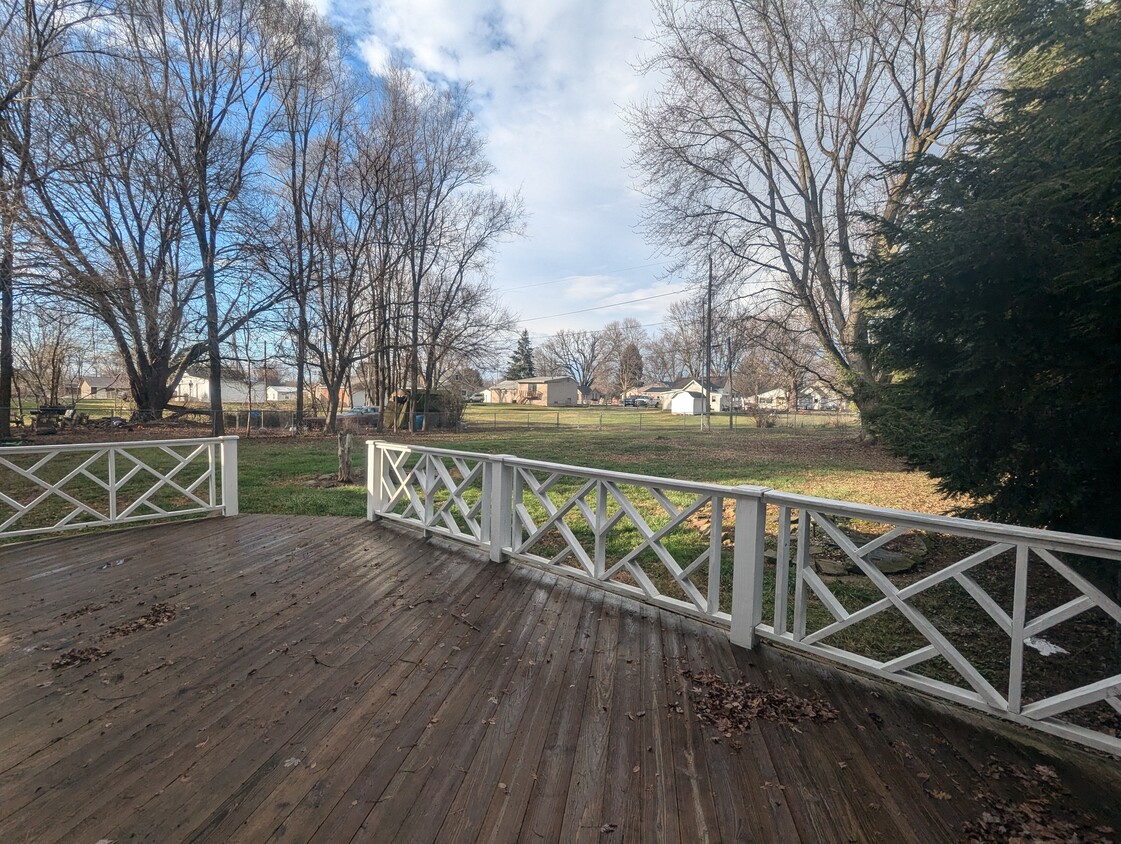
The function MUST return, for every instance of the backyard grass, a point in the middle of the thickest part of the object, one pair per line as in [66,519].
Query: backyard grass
[276,474]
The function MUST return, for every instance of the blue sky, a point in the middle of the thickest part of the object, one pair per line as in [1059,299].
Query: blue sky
[550,79]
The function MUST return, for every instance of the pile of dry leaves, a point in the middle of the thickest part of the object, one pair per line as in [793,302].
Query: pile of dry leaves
[732,707]
[1033,820]
[77,656]
[157,616]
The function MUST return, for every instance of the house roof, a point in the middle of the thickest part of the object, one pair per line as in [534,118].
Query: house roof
[717,382]
[229,373]
[546,380]
[504,385]
[692,393]
[105,381]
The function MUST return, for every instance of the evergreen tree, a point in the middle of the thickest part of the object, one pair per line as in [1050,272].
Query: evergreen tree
[999,305]
[521,361]
[630,368]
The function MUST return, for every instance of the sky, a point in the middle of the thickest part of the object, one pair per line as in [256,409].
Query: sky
[550,80]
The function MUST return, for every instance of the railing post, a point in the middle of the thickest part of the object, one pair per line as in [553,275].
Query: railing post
[747,571]
[229,476]
[374,485]
[1019,616]
[600,528]
[500,498]
[112,456]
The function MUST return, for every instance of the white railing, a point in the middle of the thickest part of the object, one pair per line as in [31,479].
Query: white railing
[50,488]
[966,626]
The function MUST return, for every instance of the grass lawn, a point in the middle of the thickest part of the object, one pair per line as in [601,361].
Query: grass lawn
[275,473]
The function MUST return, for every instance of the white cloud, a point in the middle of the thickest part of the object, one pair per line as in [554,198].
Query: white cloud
[549,79]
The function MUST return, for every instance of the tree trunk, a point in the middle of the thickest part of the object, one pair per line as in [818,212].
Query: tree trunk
[346,463]
[301,361]
[7,318]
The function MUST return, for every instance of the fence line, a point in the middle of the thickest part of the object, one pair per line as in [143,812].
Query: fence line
[677,544]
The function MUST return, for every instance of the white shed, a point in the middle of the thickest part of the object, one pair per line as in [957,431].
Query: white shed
[687,403]
[280,392]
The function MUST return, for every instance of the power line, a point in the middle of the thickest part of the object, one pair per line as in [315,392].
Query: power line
[612,305]
[574,277]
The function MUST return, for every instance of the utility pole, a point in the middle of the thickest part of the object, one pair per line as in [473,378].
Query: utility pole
[707,426]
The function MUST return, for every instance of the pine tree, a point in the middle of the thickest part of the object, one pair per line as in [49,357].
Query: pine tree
[521,361]
[998,306]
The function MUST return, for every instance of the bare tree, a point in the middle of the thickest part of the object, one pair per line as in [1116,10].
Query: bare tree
[108,218]
[50,349]
[308,84]
[580,354]
[782,127]
[209,68]
[33,35]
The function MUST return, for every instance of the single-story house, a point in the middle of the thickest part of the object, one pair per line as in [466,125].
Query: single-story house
[588,395]
[820,396]
[775,399]
[195,386]
[279,392]
[103,387]
[554,390]
[504,392]
[715,391]
[687,403]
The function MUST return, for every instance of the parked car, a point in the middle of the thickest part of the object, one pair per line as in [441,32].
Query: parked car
[362,415]
[476,398]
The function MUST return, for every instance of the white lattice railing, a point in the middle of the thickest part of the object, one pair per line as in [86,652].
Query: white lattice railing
[45,489]
[967,624]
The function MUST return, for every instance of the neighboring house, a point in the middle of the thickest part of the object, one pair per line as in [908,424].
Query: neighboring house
[555,390]
[770,400]
[588,395]
[820,396]
[645,389]
[195,386]
[103,387]
[504,392]
[715,391]
[687,403]
[280,392]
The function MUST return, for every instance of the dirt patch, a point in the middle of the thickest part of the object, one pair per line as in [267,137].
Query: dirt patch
[157,616]
[733,707]
[1037,818]
[78,656]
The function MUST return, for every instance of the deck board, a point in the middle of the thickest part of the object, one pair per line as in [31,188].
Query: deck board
[326,679]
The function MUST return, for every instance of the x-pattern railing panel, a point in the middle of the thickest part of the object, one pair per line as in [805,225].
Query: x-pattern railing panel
[645,535]
[614,505]
[429,494]
[108,484]
[1017,625]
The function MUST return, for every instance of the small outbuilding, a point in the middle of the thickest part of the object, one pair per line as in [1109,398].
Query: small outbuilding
[687,403]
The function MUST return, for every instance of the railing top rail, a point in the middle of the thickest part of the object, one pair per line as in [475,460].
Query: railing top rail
[587,471]
[63,447]
[726,490]
[427,449]
[993,531]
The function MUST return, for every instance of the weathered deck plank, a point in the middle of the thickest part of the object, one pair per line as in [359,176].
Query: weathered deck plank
[329,680]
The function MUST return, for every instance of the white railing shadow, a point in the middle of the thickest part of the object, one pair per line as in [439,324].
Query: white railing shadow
[702,549]
[47,489]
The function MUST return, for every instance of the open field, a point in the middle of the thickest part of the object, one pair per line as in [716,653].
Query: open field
[833,463]
[479,417]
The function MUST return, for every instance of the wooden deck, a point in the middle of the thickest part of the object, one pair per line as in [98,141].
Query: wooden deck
[325,679]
